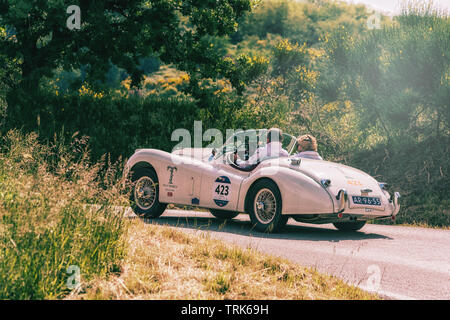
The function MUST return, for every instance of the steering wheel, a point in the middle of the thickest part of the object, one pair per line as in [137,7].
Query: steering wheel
[230,158]
[230,161]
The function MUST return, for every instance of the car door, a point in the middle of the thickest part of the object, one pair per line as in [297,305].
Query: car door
[220,186]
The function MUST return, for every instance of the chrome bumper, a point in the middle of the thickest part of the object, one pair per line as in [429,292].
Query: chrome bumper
[342,198]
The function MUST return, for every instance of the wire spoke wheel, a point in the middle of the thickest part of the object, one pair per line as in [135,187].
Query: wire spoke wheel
[145,193]
[144,197]
[265,206]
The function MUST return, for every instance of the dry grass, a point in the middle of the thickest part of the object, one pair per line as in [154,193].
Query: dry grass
[165,263]
[45,224]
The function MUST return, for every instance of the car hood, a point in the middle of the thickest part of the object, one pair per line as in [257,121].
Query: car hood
[340,176]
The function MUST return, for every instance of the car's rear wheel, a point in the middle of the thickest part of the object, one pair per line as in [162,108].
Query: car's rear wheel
[223,214]
[265,207]
[145,193]
[349,226]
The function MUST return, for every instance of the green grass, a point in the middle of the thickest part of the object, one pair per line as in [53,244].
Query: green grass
[45,226]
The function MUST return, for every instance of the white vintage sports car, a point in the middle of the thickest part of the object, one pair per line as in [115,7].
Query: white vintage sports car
[271,191]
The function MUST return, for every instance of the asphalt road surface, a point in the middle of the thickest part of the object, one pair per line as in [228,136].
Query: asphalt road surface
[396,262]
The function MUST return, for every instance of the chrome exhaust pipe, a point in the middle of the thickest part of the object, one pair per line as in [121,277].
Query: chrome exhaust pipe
[342,197]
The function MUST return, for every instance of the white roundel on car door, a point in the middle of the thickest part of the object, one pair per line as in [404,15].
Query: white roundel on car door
[222,191]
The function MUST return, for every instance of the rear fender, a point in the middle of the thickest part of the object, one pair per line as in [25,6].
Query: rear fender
[179,177]
[300,194]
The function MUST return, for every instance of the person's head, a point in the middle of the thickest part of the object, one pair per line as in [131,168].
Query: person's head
[274,134]
[306,143]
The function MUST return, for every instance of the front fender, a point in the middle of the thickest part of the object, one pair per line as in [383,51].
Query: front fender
[300,194]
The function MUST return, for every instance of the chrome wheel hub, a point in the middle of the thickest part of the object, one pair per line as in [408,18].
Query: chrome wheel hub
[265,206]
[260,206]
[145,193]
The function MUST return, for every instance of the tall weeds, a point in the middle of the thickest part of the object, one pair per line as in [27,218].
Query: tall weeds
[54,214]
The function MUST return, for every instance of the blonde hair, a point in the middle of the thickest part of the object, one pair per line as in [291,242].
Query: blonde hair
[307,142]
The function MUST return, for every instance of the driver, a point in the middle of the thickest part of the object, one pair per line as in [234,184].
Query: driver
[273,148]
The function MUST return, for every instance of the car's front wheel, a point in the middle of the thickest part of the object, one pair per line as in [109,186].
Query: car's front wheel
[223,214]
[145,193]
[349,226]
[265,207]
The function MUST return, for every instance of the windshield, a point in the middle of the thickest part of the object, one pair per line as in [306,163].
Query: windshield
[246,142]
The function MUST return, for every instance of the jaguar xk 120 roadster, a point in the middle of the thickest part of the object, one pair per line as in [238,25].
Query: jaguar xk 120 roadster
[270,191]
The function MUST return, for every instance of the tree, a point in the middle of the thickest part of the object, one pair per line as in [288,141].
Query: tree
[301,21]
[397,77]
[287,76]
[111,32]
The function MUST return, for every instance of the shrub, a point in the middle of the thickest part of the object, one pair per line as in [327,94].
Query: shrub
[115,124]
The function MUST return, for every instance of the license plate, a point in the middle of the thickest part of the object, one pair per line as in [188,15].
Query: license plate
[370,201]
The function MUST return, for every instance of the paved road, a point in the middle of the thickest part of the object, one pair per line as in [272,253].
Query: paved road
[397,262]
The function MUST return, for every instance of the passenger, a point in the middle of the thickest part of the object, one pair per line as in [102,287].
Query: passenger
[273,148]
[307,147]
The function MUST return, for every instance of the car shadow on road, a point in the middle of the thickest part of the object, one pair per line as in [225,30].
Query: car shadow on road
[244,227]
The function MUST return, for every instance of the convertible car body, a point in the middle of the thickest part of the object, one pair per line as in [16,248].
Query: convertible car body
[270,191]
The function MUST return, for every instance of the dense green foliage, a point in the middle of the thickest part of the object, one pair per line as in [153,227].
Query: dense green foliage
[118,125]
[301,21]
[35,41]
[394,84]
